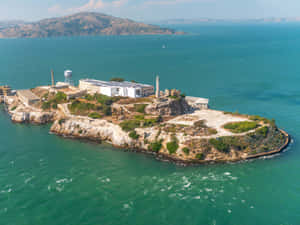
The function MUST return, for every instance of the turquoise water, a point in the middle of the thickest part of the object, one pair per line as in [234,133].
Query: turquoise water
[45,179]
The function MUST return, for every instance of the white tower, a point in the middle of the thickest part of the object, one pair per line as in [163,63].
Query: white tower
[68,77]
[157,87]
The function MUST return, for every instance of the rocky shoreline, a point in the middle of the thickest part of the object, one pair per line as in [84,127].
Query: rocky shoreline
[188,138]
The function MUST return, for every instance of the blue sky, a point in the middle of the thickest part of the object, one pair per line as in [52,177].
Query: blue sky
[144,10]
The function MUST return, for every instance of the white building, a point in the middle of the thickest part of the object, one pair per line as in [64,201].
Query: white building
[113,88]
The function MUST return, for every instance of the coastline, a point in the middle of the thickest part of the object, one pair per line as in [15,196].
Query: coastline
[167,158]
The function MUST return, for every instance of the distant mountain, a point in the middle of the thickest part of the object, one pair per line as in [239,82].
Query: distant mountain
[208,20]
[80,24]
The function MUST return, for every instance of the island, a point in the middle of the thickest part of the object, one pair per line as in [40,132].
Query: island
[80,24]
[139,117]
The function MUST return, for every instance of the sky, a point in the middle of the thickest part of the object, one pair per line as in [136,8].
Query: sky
[151,10]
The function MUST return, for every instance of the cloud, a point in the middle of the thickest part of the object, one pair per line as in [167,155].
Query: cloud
[98,4]
[174,2]
[55,9]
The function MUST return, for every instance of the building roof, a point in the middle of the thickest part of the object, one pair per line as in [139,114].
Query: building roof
[197,100]
[101,83]
[28,94]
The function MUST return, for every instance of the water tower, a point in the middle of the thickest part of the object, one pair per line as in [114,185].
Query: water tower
[68,77]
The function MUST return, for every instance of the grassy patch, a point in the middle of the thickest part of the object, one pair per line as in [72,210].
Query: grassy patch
[95,115]
[140,108]
[186,150]
[219,144]
[155,146]
[241,127]
[262,131]
[129,125]
[200,156]
[134,135]
[172,146]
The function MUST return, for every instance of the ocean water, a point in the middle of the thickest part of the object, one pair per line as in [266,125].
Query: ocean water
[45,179]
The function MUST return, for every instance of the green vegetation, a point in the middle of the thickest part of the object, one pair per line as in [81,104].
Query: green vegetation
[46,105]
[78,107]
[263,131]
[219,144]
[61,121]
[200,156]
[130,125]
[54,106]
[155,146]
[117,79]
[13,108]
[241,127]
[134,135]
[140,108]
[95,115]
[265,120]
[172,146]
[212,131]
[139,121]
[60,97]
[186,150]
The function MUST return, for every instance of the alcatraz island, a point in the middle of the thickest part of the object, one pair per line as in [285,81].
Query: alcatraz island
[142,118]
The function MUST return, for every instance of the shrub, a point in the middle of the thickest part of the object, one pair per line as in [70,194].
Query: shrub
[140,108]
[139,117]
[186,150]
[240,127]
[117,79]
[60,96]
[54,106]
[263,131]
[13,108]
[46,105]
[80,131]
[155,146]
[134,135]
[61,121]
[172,146]
[200,156]
[95,115]
[129,125]
[219,144]
[212,131]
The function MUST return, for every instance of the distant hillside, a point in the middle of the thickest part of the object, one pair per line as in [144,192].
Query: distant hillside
[212,21]
[80,24]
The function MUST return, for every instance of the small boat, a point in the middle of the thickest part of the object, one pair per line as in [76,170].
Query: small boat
[163,46]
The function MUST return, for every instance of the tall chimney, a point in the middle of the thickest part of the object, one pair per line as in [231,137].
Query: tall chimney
[157,87]
[52,78]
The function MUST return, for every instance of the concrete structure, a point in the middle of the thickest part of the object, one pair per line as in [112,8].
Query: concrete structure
[27,97]
[197,103]
[113,88]
[5,90]
[157,94]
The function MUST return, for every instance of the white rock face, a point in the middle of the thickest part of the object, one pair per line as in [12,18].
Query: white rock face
[31,117]
[93,129]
